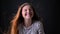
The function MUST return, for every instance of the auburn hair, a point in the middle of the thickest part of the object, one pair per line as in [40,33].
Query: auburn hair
[18,17]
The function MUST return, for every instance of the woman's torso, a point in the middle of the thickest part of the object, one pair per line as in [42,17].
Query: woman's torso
[33,29]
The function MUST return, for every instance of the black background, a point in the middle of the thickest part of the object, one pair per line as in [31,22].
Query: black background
[44,8]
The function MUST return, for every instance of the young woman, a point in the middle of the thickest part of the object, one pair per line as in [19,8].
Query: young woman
[26,21]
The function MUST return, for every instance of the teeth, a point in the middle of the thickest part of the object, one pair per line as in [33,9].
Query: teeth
[27,14]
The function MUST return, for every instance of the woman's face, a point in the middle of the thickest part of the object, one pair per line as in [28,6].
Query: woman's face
[27,12]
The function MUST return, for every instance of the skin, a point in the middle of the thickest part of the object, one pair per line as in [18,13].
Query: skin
[27,14]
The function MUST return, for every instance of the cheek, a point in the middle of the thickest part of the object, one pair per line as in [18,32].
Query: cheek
[23,13]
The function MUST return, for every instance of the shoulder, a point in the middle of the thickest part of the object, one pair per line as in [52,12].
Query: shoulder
[37,24]
[19,26]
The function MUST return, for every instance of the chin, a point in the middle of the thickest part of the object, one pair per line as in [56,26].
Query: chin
[28,17]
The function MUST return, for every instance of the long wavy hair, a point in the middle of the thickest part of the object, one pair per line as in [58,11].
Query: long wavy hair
[18,18]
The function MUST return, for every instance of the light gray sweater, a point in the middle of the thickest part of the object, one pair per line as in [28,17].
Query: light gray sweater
[35,28]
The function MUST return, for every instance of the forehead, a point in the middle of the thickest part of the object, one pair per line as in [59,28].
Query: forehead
[26,6]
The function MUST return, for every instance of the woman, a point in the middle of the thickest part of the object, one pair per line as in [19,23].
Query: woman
[26,21]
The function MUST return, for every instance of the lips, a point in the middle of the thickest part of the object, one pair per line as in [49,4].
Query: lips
[27,14]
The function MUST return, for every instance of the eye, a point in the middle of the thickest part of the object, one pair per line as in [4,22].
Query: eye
[25,9]
[30,10]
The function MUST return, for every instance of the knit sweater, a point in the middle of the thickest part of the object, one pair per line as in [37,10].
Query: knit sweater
[35,28]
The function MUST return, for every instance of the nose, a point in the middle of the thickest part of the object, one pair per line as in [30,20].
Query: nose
[28,11]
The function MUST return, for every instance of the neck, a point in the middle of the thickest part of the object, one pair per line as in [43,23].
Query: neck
[27,22]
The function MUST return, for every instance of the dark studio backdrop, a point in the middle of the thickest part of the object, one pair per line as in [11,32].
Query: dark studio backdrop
[44,8]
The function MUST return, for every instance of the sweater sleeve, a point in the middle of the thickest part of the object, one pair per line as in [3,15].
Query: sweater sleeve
[40,29]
